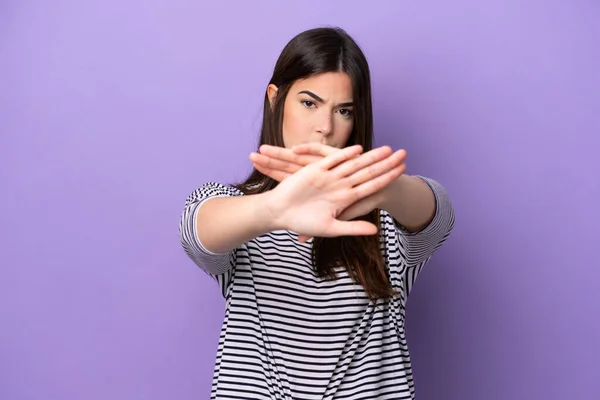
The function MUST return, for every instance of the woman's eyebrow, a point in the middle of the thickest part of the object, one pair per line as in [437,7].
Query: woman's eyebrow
[320,100]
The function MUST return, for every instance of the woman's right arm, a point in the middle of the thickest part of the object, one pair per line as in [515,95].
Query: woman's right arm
[224,223]
[216,220]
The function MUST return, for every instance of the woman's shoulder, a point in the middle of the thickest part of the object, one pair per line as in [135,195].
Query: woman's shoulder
[221,187]
[213,189]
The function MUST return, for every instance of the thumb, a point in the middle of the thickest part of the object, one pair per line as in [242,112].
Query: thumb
[303,238]
[358,209]
[351,228]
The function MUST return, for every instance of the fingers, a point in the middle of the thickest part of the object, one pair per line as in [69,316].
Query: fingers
[286,158]
[363,161]
[283,154]
[380,167]
[279,153]
[340,156]
[271,173]
[274,163]
[360,208]
[314,148]
[351,228]
[376,184]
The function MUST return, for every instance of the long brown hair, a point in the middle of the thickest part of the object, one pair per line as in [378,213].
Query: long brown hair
[313,52]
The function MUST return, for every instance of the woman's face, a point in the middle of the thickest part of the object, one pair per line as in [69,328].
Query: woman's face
[318,109]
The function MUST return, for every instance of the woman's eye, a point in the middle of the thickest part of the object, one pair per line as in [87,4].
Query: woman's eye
[345,112]
[308,103]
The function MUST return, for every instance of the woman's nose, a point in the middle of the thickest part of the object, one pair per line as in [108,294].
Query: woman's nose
[325,126]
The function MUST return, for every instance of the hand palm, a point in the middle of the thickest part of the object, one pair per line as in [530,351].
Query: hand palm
[313,198]
[318,199]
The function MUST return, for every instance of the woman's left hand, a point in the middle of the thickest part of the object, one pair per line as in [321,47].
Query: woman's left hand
[278,163]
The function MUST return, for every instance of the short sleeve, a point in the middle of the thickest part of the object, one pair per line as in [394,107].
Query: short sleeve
[214,264]
[421,245]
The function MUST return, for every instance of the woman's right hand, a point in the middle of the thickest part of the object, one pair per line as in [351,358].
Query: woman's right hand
[309,201]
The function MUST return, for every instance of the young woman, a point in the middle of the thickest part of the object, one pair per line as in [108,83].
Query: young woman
[316,252]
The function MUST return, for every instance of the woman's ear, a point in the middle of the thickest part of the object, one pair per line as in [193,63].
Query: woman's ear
[272,93]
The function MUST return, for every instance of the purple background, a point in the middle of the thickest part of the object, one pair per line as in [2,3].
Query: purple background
[112,112]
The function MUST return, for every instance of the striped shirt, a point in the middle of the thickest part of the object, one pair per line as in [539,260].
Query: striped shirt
[288,334]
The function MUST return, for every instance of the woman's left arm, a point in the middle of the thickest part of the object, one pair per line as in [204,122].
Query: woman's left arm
[410,201]
[423,214]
